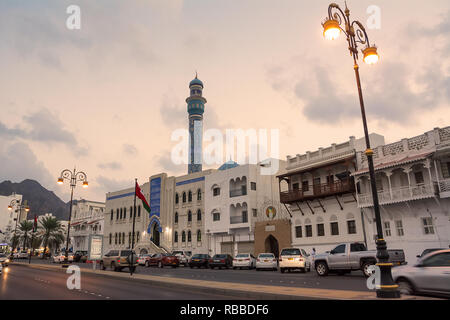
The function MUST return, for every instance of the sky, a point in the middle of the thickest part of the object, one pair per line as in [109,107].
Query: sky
[107,97]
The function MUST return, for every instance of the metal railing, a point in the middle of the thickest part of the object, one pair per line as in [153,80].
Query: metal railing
[238,192]
[239,219]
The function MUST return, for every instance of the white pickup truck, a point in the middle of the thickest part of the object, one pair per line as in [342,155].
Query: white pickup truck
[352,256]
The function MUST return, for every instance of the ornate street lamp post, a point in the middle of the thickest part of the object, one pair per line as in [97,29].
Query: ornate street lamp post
[356,33]
[73,177]
[15,204]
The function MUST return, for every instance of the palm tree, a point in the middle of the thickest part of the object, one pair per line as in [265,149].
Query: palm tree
[51,233]
[25,228]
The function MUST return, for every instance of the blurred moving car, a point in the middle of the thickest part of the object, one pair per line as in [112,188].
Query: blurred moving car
[4,260]
[59,257]
[430,275]
[183,256]
[199,260]
[220,261]
[119,259]
[244,260]
[294,258]
[143,259]
[266,261]
[163,259]
[427,251]
[80,256]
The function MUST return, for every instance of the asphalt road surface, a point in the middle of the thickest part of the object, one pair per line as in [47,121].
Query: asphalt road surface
[354,281]
[19,282]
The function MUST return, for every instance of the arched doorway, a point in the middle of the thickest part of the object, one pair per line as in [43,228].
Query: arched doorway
[271,245]
[155,234]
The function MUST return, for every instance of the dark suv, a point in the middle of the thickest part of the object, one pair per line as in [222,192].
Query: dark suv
[221,261]
[199,260]
[80,256]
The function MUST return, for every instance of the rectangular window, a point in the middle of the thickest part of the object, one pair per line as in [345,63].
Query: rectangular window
[255,212]
[428,227]
[387,228]
[298,231]
[399,227]
[316,181]
[351,227]
[330,179]
[448,170]
[308,230]
[216,192]
[253,185]
[320,230]
[419,177]
[379,184]
[295,186]
[305,185]
[216,216]
[334,228]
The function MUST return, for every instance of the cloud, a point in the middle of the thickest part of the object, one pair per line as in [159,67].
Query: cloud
[129,149]
[109,185]
[110,165]
[43,126]
[167,165]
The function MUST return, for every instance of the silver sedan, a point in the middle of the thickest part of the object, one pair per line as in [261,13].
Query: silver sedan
[430,275]
[266,261]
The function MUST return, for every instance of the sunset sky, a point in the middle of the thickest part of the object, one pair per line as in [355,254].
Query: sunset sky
[106,98]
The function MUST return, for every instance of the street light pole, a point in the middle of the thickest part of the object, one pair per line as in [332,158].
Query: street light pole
[15,204]
[356,33]
[73,177]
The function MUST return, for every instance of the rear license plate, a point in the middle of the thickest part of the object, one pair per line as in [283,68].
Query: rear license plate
[266,261]
[216,260]
[196,260]
[290,259]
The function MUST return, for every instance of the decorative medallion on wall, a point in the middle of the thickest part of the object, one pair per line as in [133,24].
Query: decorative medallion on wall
[271,212]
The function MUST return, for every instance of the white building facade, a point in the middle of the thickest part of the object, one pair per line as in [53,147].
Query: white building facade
[413,184]
[7,222]
[236,196]
[87,219]
[320,194]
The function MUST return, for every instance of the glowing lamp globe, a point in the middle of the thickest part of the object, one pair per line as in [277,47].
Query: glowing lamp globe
[370,55]
[60,181]
[331,29]
[85,184]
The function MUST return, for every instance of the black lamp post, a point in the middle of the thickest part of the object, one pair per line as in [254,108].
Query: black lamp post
[73,177]
[356,33]
[15,204]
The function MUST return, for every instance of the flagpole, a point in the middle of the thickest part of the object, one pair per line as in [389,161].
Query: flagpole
[32,239]
[132,235]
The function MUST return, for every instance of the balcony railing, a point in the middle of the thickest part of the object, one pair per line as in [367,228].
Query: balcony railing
[239,219]
[444,188]
[238,192]
[399,194]
[318,191]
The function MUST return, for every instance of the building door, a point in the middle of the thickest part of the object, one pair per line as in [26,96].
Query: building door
[155,233]
[246,247]
[271,245]
[227,248]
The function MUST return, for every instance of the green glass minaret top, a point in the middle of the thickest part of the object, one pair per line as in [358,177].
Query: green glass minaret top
[196,102]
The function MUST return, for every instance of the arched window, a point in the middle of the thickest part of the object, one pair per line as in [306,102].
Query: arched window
[131,212]
[176,217]
[184,197]
[183,236]
[124,213]
[137,236]
[199,235]
[190,196]
[199,215]
[112,214]
[115,238]
[189,216]
[175,237]
[117,214]
[120,213]
[120,238]
[123,237]
[129,239]
[110,238]
[199,194]
[177,198]
[189,236]
[139,211]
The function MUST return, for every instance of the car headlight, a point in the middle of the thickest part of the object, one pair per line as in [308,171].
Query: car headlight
[7,260]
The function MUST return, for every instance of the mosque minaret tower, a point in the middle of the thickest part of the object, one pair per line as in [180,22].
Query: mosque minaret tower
[196,107]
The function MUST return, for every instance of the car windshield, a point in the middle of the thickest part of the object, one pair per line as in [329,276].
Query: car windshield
[266,255]
[242,255]
[177,252]
[126,253]
[291,252]
[220,256]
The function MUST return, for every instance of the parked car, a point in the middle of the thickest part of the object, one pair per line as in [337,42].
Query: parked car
[143,259]
[347,257]
[430,275]
[220,261]
[266,261]
[163,259]
[20,255]
[183,256]
[294,258]
[244,260]
[60,257]
[80,256]
[427,251]
[119,259]
[4,260]
[199,260]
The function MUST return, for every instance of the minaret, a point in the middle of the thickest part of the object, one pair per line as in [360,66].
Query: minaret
[195,107]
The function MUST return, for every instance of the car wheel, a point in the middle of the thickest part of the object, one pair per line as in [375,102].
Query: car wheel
[211,267]
[282,270]
[102,266]
[303,270]
[405,287]
[365,268]
[113,266]
[160,265]
[147,264]
[322,269]
[234,268]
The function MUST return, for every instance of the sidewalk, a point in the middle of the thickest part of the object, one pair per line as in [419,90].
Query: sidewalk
[248,291]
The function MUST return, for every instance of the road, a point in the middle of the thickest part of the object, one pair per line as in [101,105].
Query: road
[354,281]
[19,282]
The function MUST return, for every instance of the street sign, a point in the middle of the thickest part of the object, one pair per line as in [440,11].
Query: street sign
[95,247]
